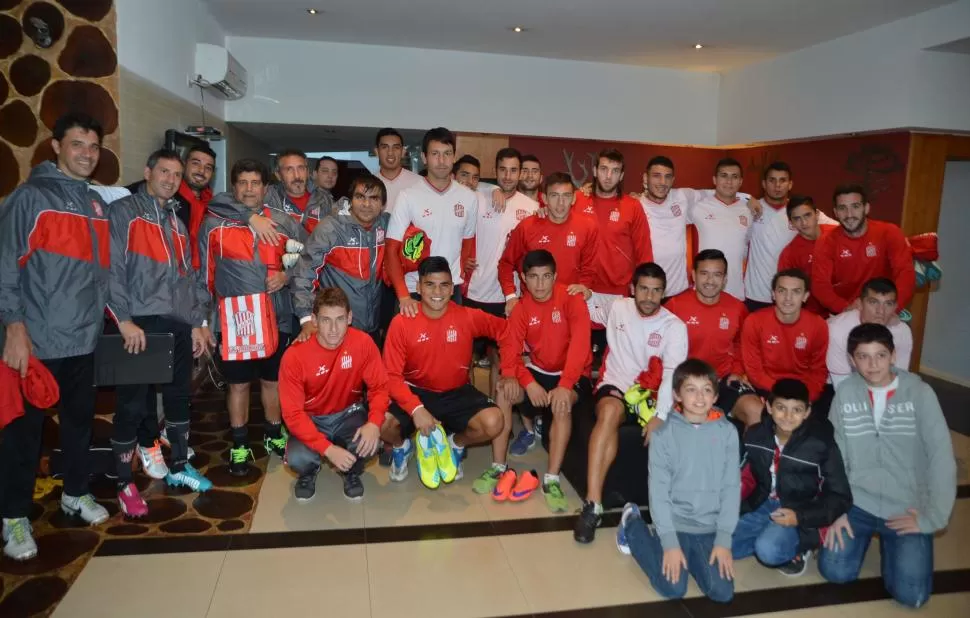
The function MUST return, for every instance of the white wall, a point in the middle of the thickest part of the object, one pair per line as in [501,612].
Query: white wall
[872,80]
[947,339]
[414,88]
[156,40]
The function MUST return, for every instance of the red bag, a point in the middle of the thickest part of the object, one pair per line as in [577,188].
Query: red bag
[248,326]
[925,246]
[39,388]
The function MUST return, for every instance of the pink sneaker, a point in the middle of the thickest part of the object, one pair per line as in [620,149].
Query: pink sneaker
[131,502]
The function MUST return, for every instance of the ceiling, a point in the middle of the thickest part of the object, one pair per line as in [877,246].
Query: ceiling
[319,138]
[638,32]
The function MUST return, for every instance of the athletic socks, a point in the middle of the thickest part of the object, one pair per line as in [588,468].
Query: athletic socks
[273,430]
[240,436]
[598,508]
[502,467]
[549,478]
[459,450]
[178,437]
[124,452]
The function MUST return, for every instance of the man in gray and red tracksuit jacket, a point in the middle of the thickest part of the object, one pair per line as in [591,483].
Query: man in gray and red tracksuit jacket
[54,255]
[238,268]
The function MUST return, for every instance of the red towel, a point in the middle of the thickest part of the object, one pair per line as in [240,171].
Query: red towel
[39,388]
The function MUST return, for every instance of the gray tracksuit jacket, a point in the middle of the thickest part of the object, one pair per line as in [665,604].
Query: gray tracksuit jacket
[319,206]
[906,461]
[151,263]
[694,480]
[54,258]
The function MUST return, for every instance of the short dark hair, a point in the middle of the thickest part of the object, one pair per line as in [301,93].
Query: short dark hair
[322,159]
[248,165]
[466,160]
[794,201]
[531,158]
[659,160]
[507,153]
[369,182]
[879,285]
[776,166]
[78,120]
[438,134]
[557,178]
[204,149]
[290,152]
[795,273]
[162,153]
[330,297]
[790,388]
[611,154]
[694,368]
[870,333]
[847,189]
[728,162]
[432,265]
[384,133]
[537,259]
[710,254]
[649,269]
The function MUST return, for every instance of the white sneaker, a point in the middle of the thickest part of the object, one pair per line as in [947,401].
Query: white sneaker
[84,507]
[152,461]
[18,539]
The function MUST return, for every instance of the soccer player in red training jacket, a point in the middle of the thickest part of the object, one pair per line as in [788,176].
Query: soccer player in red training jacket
[861,250]
[427,359]
[785,342]
[804,217]
[714,320]
[553,326]
[322,382]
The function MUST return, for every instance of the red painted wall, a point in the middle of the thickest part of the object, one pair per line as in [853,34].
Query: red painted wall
[876,161]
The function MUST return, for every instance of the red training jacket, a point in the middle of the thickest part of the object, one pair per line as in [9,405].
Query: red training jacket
[772,350]
[713,331]
[624,240]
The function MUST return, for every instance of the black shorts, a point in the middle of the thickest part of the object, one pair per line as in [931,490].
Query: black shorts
[608,390]
[583,389]
[453,409]
[754,305]
[728,395]
[265,369]
[496,309]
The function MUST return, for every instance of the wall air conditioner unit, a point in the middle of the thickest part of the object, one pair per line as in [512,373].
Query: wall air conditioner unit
[215,68]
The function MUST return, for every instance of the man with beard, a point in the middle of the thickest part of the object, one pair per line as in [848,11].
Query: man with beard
[291,195]
[624,234]
[862,249]
[54,260]
[530,182]
[154,289]
[785,342]
[770,234]
[389,150]
[714,322]
[346,251]
[805,218]
[637,330]
[444,209]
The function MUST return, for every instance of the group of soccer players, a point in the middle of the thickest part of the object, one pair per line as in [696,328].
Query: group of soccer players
[362,318]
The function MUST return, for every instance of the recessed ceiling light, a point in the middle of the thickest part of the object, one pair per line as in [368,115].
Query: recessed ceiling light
[312,11]
[518,29]
[698,46]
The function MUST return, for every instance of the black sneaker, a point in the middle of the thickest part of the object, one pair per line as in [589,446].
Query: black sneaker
[353,487]
[797,567]
[239,457]
[306,487]
[585,530]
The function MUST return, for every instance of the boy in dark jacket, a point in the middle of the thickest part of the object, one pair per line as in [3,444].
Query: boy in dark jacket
[800,485]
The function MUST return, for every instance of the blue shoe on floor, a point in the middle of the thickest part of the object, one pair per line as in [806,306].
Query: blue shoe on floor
[523,443]
[630,511]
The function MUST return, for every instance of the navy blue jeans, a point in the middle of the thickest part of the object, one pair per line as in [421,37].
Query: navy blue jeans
[757,535]
[907,559]
[649,554]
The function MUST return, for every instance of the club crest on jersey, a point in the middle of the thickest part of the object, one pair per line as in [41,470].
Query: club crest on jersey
[615,216]
[743,219]
[452,335]
[459,210]
[322,370]
[845,254]
[571,240]
[870,250]
[380,235]
[724,323]
[315,211]
[534,321]
[693,321]
[346,361]
[801,342]
[675,210]
[426,213]
[97,208]
[654,340]
[773,340]
[556,316]
[521,213]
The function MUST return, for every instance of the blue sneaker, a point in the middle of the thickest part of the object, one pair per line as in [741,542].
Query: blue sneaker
[189,477]
[400,456]
[630,511]
[523,443]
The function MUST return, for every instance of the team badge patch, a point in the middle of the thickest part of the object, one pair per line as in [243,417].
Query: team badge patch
[459,210]
[724,323]
[615,216]
[248,325]
[870,250]
[571,240]
[521,213]
[347,361]
[654,340]
[801,342]
[556,316]
[452,335]
[743,219]
[675,210]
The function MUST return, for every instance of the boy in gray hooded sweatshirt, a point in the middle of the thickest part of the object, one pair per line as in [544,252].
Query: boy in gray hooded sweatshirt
[899,461]
[695,494]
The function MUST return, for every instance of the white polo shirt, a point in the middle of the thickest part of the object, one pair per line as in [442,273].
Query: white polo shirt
[402,181]
[632,339]
[447,217]
[490,235]
[668,235]
[725,227]
[837,357]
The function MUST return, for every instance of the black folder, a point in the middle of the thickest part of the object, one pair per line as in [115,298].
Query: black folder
[114,366]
